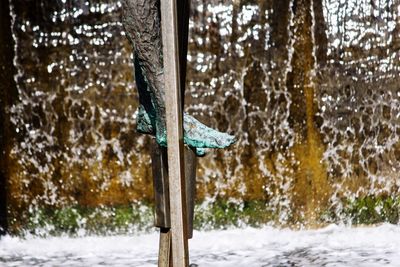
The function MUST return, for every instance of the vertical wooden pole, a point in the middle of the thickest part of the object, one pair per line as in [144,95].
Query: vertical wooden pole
[174,133]
[164,253]
[183,38]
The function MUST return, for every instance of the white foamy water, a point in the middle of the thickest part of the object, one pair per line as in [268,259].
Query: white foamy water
[331,246]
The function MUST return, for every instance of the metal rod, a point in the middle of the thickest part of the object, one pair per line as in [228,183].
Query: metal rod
[174,133]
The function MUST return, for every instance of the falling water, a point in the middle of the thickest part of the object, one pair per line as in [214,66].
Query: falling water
[311,91]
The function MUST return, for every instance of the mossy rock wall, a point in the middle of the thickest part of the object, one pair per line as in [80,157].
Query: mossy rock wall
[315,108]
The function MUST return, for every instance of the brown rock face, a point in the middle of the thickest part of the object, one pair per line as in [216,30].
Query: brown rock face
[310,88]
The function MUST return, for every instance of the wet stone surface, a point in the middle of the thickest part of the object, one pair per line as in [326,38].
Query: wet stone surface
[310,89]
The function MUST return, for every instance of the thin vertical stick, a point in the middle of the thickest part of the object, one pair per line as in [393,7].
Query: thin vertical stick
[174,133]
[164,254]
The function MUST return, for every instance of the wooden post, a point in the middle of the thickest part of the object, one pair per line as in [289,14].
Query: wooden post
[162,217]
[164,253]
[183,38]
[174,133]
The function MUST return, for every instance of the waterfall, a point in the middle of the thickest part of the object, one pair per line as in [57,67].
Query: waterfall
[310,89]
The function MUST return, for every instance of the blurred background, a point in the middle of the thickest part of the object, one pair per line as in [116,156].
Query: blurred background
[311,89]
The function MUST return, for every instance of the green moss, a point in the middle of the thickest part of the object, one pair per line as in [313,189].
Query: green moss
[85,220]
[220,214]
[365,210]
[78,220]
[373,209]
[67,219]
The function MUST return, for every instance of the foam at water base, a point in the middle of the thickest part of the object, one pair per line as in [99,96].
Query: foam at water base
[330,246]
